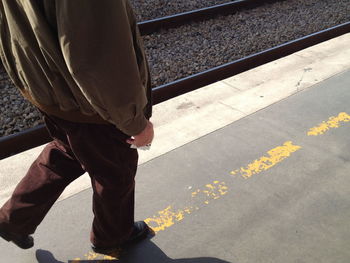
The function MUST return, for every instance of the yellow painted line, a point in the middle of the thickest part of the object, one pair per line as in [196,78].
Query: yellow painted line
[264,163]
[169,216]
[201,197]
[333,122]
[95,257]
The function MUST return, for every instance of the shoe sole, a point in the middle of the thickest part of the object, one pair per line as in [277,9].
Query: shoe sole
[6,236]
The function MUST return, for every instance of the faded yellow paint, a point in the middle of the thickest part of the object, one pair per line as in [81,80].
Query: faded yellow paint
[274,157]
[115,256]
[195,193]
[91,256]
[169,216]
[214,191]
[223,189]
[96,256]
[166,218]
[333,122]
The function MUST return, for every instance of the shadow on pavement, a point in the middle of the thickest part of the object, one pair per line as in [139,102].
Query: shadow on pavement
[147,252]
[44,256]
[144,252]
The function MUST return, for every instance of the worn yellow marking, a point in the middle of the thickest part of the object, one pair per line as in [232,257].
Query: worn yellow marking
[169,216]
[116,256]
[333,122]
[274,157]
[91,256]
[195,193]
[96,256]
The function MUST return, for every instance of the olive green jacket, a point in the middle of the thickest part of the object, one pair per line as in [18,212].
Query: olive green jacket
[80,60]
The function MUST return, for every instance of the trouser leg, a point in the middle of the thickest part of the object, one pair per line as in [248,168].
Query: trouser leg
[102,151]
[45,180]
[112,165]
[113,207]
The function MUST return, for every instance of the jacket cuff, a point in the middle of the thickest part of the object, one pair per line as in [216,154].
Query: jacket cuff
[136,126]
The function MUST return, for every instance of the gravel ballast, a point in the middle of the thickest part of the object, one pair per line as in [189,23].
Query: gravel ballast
[151,9]
[189,49]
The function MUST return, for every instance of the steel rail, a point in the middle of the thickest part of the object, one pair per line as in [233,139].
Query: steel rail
[152,25]
[36,136]
[193,82]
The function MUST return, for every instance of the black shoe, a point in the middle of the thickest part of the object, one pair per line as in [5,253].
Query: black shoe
[21,241]
[140,231]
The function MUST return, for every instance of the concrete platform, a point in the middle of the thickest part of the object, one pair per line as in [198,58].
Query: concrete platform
[195,114]
[273,186]
[250,169]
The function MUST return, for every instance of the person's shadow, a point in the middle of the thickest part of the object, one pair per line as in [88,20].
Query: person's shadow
[145,252]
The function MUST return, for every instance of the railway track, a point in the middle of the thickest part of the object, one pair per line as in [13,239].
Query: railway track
[153,25]
[32,137]
[36,136]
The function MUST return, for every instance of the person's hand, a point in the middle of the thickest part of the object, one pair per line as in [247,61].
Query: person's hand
[144,138]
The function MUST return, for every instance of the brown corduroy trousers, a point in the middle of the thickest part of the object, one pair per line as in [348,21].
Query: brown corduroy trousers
[102,152]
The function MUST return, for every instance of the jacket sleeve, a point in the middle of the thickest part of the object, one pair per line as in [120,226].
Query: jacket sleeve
[97,44]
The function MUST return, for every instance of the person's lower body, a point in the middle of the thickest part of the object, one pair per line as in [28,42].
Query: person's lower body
[100,150]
